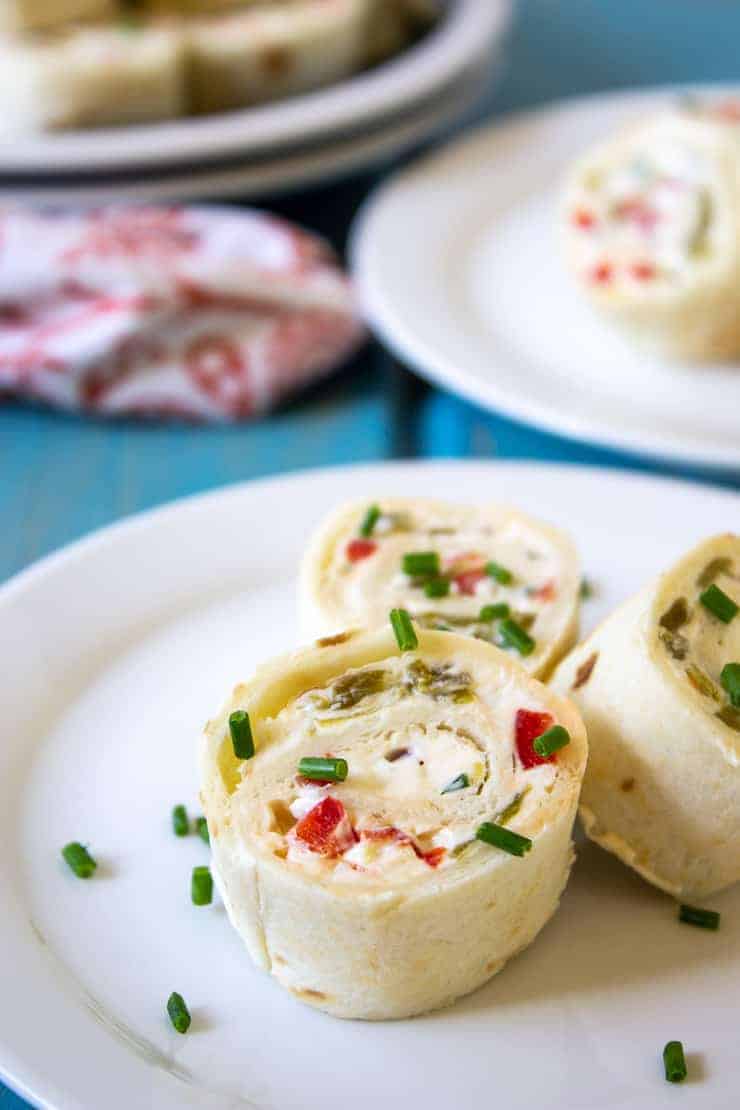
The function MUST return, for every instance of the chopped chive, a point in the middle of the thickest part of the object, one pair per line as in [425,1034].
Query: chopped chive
[703,919]
[79,859]
[501,574]
[201,828]
[404,630]
[503,838]
[674,1062]
[241,734]
[730,679]
[323,770]
[437,587]
[415,563]
[552,740]
[719,604]
[459,783]
[586,591]
[494,612]
[369,521]
[513,635]
[180,823]
[178,1012]
[201,886]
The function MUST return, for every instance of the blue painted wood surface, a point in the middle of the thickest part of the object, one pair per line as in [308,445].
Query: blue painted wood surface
[61,477]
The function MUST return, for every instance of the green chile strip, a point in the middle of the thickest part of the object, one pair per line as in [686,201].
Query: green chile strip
[494,612]
[505,839]
[552,740]
[460,783]
[323,770]
[437,587]
[404,630]
[415,563]
[178,1012]
[180,823]
[201,886]
[513,635]
[79,859]
[703,919]
[730,679]
[674,1062]
[501,574]
[241,734]
[370,519]
[719,604]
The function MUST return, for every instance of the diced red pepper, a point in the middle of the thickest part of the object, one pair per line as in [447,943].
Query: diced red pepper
[729,110]
[360,549]
[432,858]
[584,219]
[642,271]
[602,273]
[528,726]
[639,212]
[467,571]
[547,592]
[326,828]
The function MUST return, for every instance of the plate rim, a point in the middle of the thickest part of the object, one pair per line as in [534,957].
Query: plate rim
[423,359]
[33,1082]
[464,35]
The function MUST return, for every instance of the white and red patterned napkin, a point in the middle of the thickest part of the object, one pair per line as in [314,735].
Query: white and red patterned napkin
[199,313]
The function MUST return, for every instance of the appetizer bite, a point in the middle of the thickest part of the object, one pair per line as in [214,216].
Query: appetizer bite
[390,815]
[651,229]
[658,685]
[480,570]
[92,76]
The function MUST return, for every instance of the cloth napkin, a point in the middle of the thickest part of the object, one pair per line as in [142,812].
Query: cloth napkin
[194,313]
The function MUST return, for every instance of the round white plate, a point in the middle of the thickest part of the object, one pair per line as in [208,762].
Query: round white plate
[468,32]
[115,651]
[254,178]
[460,274]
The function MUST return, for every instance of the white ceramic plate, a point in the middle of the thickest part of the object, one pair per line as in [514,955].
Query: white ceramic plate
[460,274]
[469,31]
[114,653]
[255,178]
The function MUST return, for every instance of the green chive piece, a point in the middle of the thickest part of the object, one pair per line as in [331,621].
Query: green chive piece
[494,612]
[178,1012]
[674,1062]
[79,859]
[241,734]
[437,587]
[323,770]
[459,783]
[180,823]
[370,519]
[730,679]
[719,604]
[416,563]
[551,741]
[586,591]
[201,886]
[501,574]
[513,635]
[201,828]
[404,630]
[703,919]
[504,839]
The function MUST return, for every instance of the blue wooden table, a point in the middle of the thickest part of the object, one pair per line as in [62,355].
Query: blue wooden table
[61,477]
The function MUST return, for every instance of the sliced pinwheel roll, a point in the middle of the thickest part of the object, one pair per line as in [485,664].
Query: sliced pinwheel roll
[389,827]
[651,227]
[484,571]
[34,15]
[274,50]
[92,76]
[658,685]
